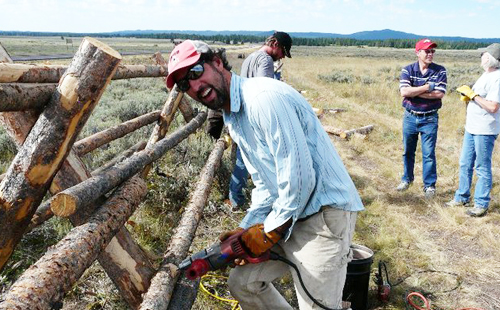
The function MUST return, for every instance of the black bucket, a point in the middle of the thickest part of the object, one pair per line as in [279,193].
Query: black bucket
[358,277]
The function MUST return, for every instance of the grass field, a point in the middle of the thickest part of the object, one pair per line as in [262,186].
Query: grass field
[441,252]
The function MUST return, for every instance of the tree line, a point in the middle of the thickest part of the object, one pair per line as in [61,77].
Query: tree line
[246,38]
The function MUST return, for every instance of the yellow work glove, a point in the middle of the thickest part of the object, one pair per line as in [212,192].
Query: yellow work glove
[465,99]
[258,241]
[466,91]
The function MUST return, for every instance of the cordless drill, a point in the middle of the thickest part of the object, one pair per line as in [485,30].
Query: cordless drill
[218,256]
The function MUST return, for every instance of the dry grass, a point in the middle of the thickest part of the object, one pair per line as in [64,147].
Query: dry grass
[411,234]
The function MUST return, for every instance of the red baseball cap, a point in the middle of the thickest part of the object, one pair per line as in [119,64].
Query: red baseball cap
[424,44]
[184,55]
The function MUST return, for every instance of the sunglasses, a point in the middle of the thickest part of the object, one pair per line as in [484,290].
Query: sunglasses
[429,51]
[194,73]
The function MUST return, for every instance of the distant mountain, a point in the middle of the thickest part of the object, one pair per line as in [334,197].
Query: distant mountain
[384,34]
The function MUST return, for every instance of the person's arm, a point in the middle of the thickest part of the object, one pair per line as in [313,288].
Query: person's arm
[413,91]
[435,94]
[488,105]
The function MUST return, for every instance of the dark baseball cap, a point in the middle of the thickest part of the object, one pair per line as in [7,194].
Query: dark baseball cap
[284,40]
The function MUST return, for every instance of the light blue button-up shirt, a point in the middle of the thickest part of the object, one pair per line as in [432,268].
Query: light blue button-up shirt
[294,165]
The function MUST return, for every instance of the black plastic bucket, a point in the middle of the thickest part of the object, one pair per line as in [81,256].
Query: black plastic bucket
[358,277]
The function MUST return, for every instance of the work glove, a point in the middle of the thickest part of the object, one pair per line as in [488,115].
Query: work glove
[465,99]
[226,234]
[466,91]
[258,241]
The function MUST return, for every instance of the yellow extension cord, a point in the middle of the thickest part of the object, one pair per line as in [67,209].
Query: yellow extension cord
[235,303]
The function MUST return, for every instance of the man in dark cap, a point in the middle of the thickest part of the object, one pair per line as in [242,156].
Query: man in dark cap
[259,63]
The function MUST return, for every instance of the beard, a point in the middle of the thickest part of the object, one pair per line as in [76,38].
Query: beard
[221,90]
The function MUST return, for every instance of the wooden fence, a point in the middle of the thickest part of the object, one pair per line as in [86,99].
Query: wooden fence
[44,108]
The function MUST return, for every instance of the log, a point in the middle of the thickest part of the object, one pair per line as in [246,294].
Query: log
[97,140]
[184,106]
[159,294]
[184,294]
[82,195]
[21,97]
[4,56]
[132,278]
[166,116]
[139,146]
[49,141]
[320,111]
[346,134]
[22,73]
[44,284]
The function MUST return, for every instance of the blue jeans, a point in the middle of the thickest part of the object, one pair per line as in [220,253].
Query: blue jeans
[476,155]
[238,181]
[427,127]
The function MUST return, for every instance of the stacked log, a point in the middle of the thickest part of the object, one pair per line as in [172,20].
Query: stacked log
[49,141]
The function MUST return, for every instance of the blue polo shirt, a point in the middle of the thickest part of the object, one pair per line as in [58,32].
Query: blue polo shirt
[411,76]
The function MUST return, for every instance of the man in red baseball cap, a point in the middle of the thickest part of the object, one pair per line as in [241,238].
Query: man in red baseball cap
[422,86]
[304,204]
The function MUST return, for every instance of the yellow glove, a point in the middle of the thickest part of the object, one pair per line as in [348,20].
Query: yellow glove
[465,99]
[466,91]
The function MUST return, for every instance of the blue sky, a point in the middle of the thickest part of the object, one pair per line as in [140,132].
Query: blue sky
[468,18]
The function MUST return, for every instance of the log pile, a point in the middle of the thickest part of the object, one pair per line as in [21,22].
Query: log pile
[43,108]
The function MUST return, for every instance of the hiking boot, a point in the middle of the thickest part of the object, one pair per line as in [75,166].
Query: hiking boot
[454,203]
[477,211]
[403,186]
[429,192]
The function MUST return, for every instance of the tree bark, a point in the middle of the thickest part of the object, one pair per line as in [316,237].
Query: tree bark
[50,140]
[83,194]
[96,140]
[166,116]
[184,106]
[4,56]
[21,97]
[159,293]
[22,73]
[45,283]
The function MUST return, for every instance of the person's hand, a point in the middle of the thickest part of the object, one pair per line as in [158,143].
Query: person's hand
[226,234]
[431,86]
[258,241]
[466,91]
[465,99]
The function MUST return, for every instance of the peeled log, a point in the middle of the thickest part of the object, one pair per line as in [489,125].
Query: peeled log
[49,141]
[44,284]
[94,141]
[166,116]
[184,106]
[22,73]
[20,97]
[85,193]
[159,293]
[346,134]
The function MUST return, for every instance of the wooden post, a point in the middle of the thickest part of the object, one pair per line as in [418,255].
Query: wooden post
[159,293]
[82,195]
[96,140]
[4,56]
[21,97]
[45,283]
[184,106]
[49,141]
[22,73]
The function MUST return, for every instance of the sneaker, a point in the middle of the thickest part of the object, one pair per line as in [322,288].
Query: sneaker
[454,203]
[403,186]
[477,211]
[429,192]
